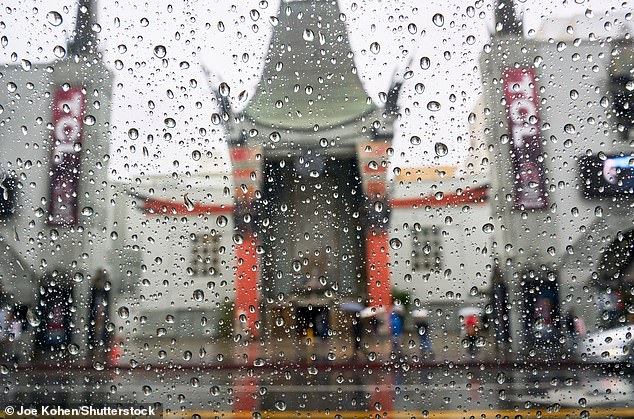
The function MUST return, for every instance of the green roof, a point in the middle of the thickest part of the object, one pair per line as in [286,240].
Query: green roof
[309,77]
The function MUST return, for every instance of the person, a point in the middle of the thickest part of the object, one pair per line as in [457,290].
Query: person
[424,332]
[396,329]
[357,335]
[574,327]
[472,329]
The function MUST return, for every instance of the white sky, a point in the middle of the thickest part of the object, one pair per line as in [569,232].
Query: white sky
[190,33]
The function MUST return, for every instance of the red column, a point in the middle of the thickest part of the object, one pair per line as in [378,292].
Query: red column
[373,160]
[378,270]
[246,177]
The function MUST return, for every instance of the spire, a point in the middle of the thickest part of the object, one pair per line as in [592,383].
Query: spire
[506,23]
[84,41]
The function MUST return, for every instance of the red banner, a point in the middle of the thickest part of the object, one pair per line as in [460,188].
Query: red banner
[522,104]
[68,113]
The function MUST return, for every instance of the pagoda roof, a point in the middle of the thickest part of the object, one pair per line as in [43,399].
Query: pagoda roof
[309,74]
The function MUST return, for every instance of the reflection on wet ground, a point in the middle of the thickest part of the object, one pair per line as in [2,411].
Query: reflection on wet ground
[470,387]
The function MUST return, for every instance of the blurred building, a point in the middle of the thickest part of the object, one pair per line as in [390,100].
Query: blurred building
[440,254]
[309,155]
[55,195]
[174,246]
[559,115]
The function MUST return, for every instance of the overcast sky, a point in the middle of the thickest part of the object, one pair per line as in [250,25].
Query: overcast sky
[231,42]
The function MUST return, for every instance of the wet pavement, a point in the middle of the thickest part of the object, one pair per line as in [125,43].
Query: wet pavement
[261,388]
[322,378]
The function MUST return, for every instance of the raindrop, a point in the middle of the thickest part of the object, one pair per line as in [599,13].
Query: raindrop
[73,349]
[133,133]
[487,228]
[170,122]
[440,149]
[415,140]
[569,129]
[412,28]
[419,88]
[395,244]
[90,120]
[221,221]
[59,51]
[160,51]
[196,155]
[32,318]
[275,137]
[188,203]
[309,35]
[425,63]
[54,18]
[123,312]
[224,89]
[433,106]
[438,19]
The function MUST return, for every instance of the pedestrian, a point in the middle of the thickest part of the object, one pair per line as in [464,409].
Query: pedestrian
[357,335]
[472,330]
[426,346]
[574,327]
[396,329]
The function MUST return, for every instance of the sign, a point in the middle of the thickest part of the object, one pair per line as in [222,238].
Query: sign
[520,91]
[68,113]
[609,176]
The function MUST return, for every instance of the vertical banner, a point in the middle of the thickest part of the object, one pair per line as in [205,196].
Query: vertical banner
[68,113]
[520,92]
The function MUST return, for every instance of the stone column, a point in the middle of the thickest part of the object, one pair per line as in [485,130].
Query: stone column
[247,175]
[373,163]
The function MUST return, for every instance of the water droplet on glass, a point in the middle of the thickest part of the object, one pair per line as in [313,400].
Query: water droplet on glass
[375,47]
[309,35]
[54,18]
[275,137]
[425,63]
[395,244]
[59,51]
[198,295]
[224,89]
[160,51]
[433,106]
[221,221]
[123,312]
[133,133]
[188,203]
[441,149]
[487,228]
[438,19]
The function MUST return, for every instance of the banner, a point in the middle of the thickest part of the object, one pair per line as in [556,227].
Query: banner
[68,113]
[522,104]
